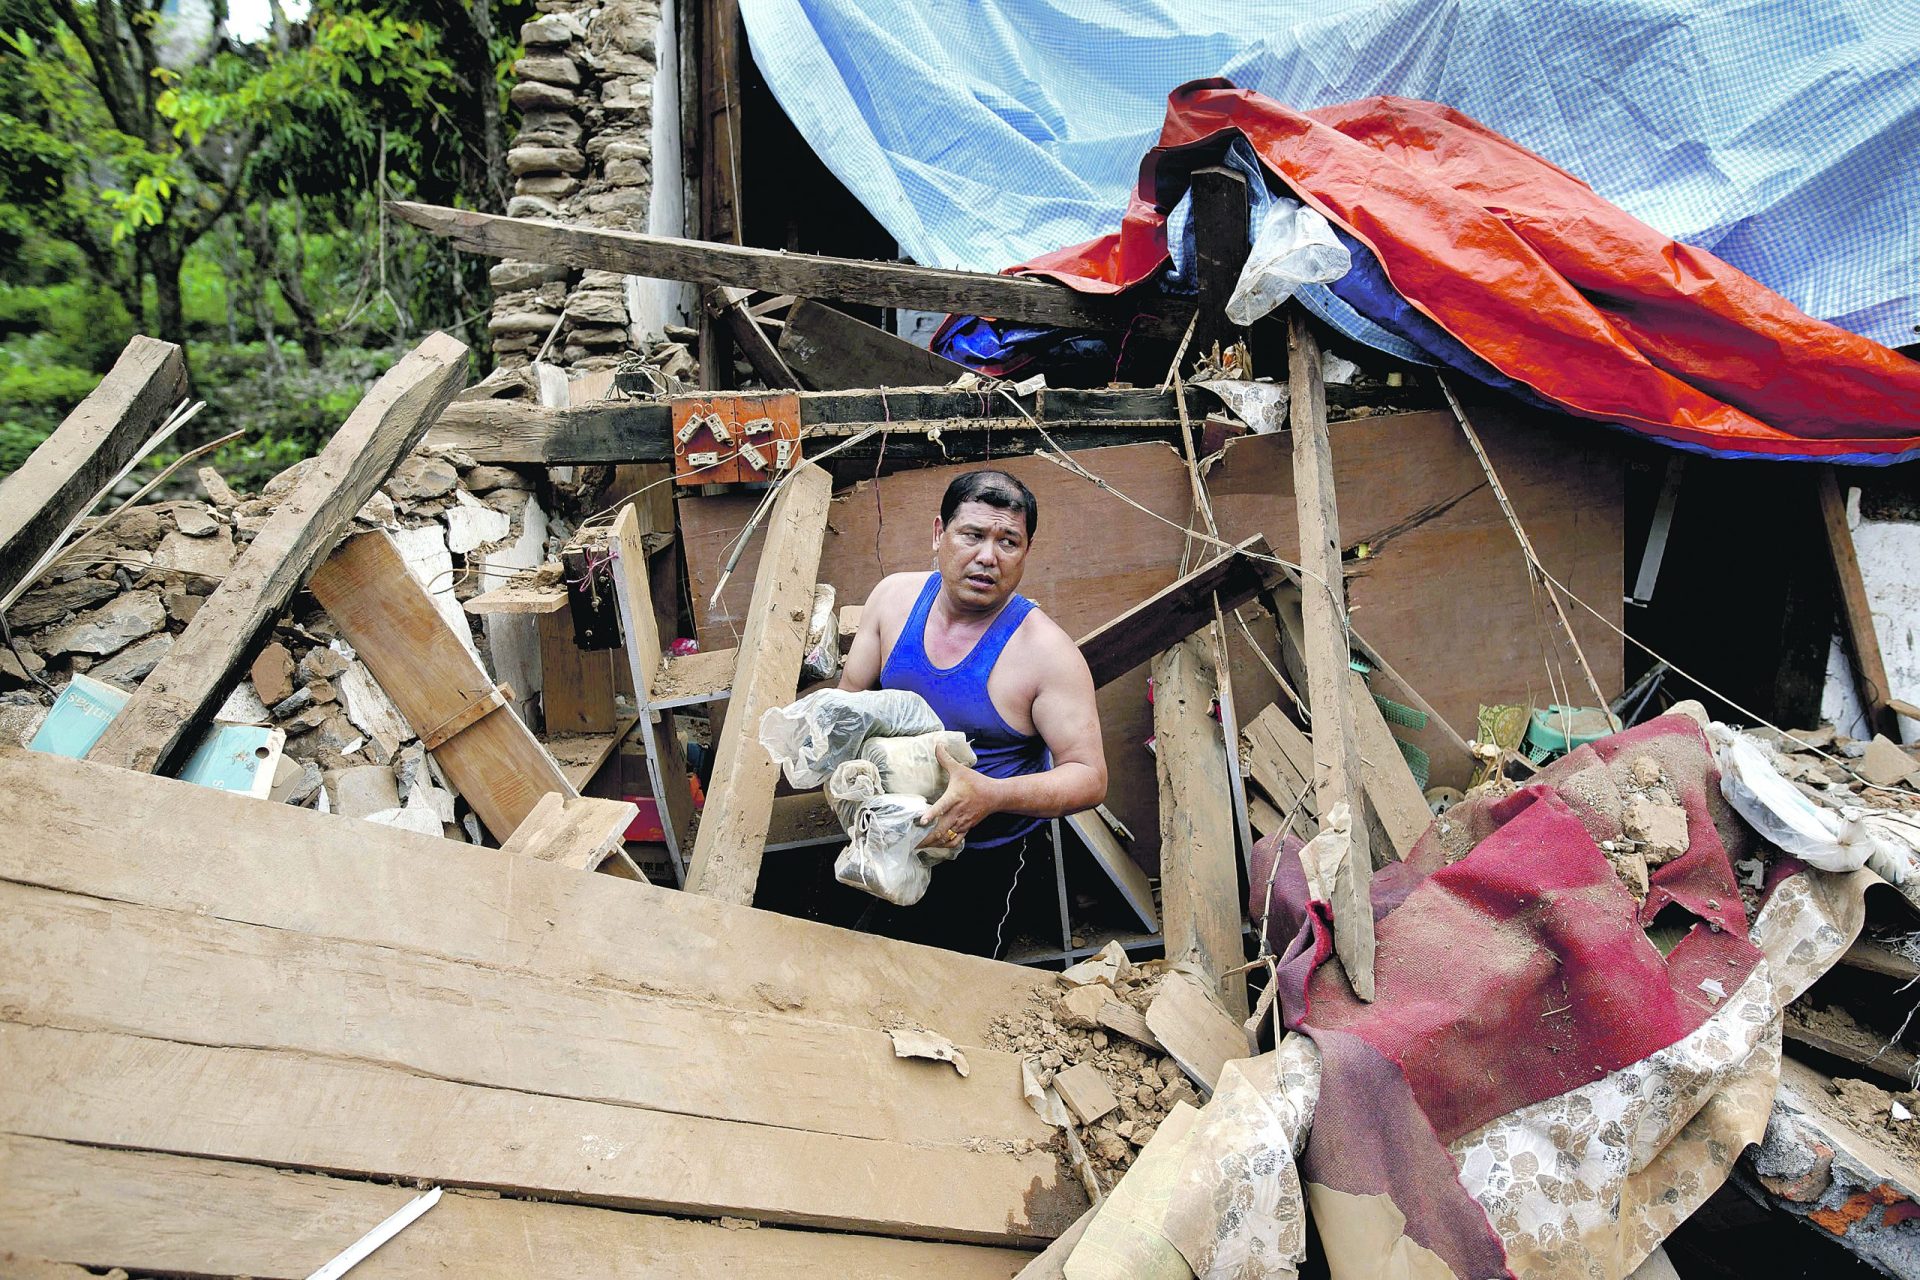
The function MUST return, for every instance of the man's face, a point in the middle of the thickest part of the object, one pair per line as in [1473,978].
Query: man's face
[981,554]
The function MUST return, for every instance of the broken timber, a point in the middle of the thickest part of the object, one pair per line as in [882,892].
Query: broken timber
[157,727]
[703,262]
[1336,755]
[71,468]
[972,423]
[1199,874]
[446,695]
[1178,610]
[831,350]
[733,830]
[1856,611]
[582,832]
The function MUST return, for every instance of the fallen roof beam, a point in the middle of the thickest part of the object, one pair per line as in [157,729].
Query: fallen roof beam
[1178,610]
[831,350]
[881,284]
[65,475]
[385,613]
[727,848]
[160,723]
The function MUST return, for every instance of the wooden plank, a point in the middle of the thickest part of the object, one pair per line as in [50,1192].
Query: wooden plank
[152,1213]
[1119,865]
[211,853]
[1201,901]
[315,1114]
[576,685]
[581,832]
[1129,1022]
[1220,251]
[1177,611]
[64,476]
[733,829]
[580,756]
[751,339]
[519,597]
[882,284]
[1196,1033]
[388,618]
[689,679]
[831,351]
[181,977]
[1395,799]
[1856,610]
[159,725]
[719,109]
[1336,754]
[1280,760]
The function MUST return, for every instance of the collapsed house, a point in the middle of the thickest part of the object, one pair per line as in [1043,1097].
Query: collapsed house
[407,828]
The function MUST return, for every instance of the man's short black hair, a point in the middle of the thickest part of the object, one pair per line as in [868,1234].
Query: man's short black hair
[995,489]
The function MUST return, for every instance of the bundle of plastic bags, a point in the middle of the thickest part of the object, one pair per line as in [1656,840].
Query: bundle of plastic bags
[878,753]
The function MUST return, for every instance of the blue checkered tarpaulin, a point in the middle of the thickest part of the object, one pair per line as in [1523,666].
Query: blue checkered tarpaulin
[1781,134]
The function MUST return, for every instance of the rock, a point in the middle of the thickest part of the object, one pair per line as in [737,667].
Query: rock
[1662,828]
[109,628]
[1885,764]
[219,493]
[330,730]
[629,173]
[46,605]
[21,669]
[182,604]
[420,477]
[19,721]
[597,309]
[361,792]
[548,31]
[1080,1007]
[525,160]
[273,674]
[623,27]
[1645,772]
[485,479]
[627,200]
[378,509]
[621,149]
[131,665]
[194,520]
[137,527]
[420,821]
[551,69]
[207,557]
[294,703]
[599,337]
[370,711]
[531,95]
[471,523]
[548,129]
[532,207]
[553,186]
[626,64]
[300,788]
[243,706]
[322,663]
[535,324]
[507,276]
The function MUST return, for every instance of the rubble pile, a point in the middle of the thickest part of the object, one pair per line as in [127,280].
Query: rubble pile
[112,605]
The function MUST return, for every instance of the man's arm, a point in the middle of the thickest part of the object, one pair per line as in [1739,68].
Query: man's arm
[862,668]
[1068,719]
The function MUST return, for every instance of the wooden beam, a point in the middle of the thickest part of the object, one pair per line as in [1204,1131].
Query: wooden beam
[66,474]
[882,284]
[1856,610]
[1199,875]
[220,855]
[576,685]
[733,829]
[832,351]
[1336,754]
[719,106]
[177,1215]
[1394,800]
[1178,610]
[579,832]
[387,616]
[317,1114]
[160,723]
[750,338]
[1194,1030]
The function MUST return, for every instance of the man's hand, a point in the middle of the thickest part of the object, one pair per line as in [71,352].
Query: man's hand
[967,800]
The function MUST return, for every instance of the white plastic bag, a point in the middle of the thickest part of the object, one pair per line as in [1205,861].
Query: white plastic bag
[882,856]
[911,767]
[823,730]
[1293,246]
[822,660]
[1783,814]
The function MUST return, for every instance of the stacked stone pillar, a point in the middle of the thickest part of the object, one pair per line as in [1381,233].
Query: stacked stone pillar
[583,155]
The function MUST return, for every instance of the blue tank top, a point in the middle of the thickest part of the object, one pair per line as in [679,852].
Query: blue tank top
[958,695]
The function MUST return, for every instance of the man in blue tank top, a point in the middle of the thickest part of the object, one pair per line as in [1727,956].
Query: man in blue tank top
[996,668]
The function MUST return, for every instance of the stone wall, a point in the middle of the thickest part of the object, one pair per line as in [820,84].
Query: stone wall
[584,155]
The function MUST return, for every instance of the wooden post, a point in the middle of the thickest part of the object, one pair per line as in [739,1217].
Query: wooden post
[1219,213]
[491,758]
[159,724]
[1336,757]
[1863,643]
[1199,875]
[719,151]
[62,479]
[733,830]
